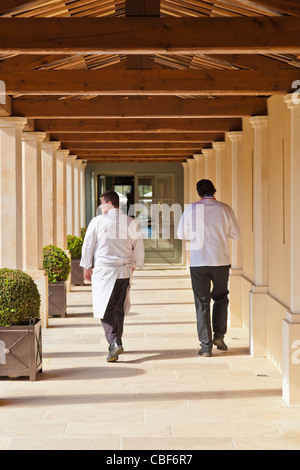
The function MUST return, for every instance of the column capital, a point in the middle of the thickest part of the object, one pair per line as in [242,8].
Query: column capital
[184,164]
[33,136]
[259,121]
[50,144]
[292,100]
[198,157]
[9,122]
[191,161]
[63,152]
[71,158]
[83,164]
[207,152]
[235,135]
[219,145]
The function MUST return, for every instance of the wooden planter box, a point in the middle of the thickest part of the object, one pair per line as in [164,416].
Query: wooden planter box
[57,299]
[21,351]
[76,273]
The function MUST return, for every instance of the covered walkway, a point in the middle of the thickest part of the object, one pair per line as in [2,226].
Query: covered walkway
[159,395]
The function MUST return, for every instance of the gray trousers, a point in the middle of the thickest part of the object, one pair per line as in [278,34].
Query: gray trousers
[113,320]
[210,282]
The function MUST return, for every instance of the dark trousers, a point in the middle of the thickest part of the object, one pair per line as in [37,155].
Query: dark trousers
[210,282]
[113,320]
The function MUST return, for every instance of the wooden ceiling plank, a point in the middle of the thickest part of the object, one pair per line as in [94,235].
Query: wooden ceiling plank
[151,107]
[149,82]
[138,137]
[148,35]
[137,125]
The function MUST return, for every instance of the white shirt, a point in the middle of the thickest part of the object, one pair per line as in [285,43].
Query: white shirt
[113,240]
[208,224]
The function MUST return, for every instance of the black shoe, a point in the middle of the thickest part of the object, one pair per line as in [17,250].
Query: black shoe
[113,352]
[203,353]
[220,344]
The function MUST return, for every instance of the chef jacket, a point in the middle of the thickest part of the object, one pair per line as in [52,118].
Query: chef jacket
[113,241]
[208,224]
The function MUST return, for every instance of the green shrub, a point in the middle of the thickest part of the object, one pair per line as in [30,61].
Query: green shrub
[83,232]
[56,264]
[75,246]
[19,298]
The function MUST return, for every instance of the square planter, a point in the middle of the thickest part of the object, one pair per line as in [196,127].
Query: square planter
[57,299]
[76,273]
[21,351]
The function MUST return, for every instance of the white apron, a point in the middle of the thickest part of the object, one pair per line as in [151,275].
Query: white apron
[103,281]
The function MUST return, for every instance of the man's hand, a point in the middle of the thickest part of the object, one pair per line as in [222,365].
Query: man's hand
[87,274]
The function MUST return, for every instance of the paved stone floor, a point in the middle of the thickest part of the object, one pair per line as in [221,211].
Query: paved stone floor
[159,395]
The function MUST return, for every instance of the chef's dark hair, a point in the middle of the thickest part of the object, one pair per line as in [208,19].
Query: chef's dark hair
[111,196]
[205,188]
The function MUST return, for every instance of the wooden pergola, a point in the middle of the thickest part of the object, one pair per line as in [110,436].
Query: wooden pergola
[144,80]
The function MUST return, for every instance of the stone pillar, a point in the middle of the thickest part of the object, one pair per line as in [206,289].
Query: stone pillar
[11,233]
[208,164]
[49,150]
[70,171]
[192,180]
[186,198]
[61,198]
[219,149]
[258,298]
[291,324]
[77,197]
[186,201]
[199,167]
[236,140]
[33,216]
[83,197]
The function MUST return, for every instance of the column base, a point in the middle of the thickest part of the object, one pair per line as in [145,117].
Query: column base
[258,321]
[41,280]
[291,359]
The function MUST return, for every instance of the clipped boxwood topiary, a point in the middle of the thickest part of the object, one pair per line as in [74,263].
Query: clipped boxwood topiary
[75,246]
[19,298]
[56,264]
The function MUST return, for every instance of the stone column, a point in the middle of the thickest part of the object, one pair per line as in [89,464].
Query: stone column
[291,324]
[208,164]
[219,149]
[49,150]
[192,180]
[77,198]
[11,233]
[199,167]
[236,140]
[83,197]
[258,298]
[61,198]
[186,201]
[33,216]
[70,171]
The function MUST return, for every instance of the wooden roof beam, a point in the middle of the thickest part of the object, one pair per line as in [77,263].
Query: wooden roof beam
[219,35]
[145,137]
[138,125]
[149,82]
[118,107]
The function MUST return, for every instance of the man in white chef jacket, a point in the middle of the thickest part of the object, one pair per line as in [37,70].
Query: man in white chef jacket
[113,242]
[208,224]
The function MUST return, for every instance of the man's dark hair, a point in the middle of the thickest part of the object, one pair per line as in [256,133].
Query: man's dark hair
[111,196]
[205,188]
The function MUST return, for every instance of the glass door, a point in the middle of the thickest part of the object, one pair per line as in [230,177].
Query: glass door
[154,206]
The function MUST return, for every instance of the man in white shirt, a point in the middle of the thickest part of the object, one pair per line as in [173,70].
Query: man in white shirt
[208,224]
[115,244]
